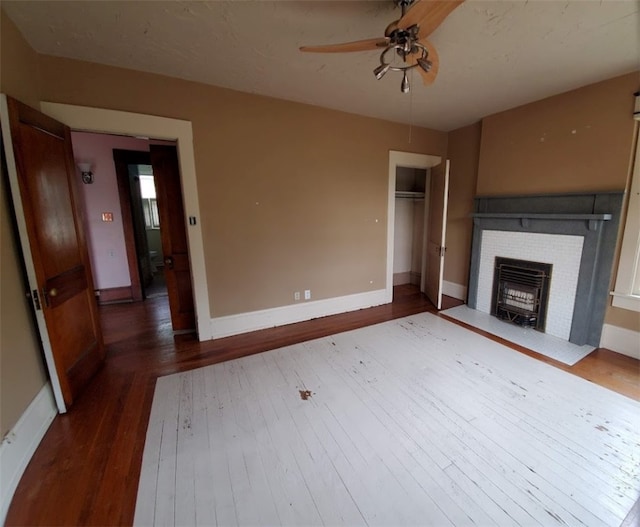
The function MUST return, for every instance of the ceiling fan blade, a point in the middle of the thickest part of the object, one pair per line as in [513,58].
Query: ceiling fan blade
[428,14]
[358,45]
[427,76]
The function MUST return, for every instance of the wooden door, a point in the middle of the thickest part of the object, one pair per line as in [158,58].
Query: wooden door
[173,232]
[131,211]
[44,189]
[140,231]
[436,247]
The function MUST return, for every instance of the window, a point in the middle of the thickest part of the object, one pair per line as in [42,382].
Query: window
[150,208]
[149,202]
[627,290]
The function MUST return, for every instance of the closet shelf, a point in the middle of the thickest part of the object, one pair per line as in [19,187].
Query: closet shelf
[406,194]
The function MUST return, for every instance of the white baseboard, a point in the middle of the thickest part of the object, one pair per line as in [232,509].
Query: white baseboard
[454,290]
[279,316]
[19,445]
[621,340]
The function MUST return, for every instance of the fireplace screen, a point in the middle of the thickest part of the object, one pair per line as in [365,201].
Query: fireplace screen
[521,292]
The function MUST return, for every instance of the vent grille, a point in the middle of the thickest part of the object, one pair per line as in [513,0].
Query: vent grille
[520,292]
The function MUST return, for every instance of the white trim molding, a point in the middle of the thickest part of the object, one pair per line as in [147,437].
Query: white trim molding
[19,445]
[279,316]
[627,286]
[401,159]
[126,123]
[621,340]
[624,301]
[454,290]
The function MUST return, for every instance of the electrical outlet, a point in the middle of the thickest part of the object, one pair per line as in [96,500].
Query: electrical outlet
[296,296]
[307,294]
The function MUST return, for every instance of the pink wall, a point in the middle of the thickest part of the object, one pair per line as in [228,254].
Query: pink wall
[107,249]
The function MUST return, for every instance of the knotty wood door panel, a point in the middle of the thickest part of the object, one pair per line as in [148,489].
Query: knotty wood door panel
[43,185]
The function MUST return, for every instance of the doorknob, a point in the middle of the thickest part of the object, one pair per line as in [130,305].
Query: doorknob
[169,262]
[47,294]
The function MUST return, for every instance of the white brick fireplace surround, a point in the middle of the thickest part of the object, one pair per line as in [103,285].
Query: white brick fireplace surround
[563,251]
[576,233]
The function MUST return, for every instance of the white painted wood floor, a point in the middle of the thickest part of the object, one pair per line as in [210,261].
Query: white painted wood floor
[415,421]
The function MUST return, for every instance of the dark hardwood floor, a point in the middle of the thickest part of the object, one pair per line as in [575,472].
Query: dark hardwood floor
[86,470]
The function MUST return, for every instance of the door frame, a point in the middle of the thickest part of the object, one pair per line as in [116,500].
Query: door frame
[410,160]
[86,119]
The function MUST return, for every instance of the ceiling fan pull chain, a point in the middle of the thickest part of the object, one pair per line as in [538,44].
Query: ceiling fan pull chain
[410,110]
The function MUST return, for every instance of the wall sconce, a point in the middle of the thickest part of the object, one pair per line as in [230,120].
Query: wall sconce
[87,175]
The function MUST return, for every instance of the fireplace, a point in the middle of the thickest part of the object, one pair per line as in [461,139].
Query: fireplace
[521,292]
[575,233]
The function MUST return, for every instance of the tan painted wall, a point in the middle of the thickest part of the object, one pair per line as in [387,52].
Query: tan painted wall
[292,196]
[19,73]
[623,318]
[573,142]
[463,151]
[22,374]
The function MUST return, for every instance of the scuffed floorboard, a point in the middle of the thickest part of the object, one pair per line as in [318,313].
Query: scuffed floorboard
[416,421]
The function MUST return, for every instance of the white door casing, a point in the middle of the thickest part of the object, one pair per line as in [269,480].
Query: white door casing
[410,160]
[88,119]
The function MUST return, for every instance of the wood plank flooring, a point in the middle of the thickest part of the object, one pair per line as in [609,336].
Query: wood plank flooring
[86,470]
[411,422]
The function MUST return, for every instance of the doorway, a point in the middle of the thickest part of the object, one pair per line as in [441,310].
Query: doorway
[156,286]
[136,223]
[434,214]
[165,128]
[141,223]
[411,214]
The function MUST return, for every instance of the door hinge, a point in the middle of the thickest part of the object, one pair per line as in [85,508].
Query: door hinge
[35,299]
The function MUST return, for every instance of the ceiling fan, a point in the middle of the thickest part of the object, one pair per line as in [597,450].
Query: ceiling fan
[405,39]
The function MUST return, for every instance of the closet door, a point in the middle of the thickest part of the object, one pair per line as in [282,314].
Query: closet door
[436,247]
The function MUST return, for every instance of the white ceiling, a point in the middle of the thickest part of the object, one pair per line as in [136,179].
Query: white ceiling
[494,55]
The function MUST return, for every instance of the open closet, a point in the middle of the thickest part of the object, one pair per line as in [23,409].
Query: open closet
[411,200]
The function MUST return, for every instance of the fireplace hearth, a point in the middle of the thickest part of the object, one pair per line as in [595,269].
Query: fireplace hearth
[521,292]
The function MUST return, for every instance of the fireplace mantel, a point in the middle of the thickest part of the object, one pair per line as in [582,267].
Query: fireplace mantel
[538,216]
[593,220]
[594,216]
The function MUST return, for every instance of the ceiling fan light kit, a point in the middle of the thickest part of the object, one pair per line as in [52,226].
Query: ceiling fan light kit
[405,38]
[404,86]
[404,48]
[380,71]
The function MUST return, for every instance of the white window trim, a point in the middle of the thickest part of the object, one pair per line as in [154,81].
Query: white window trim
[626,280]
